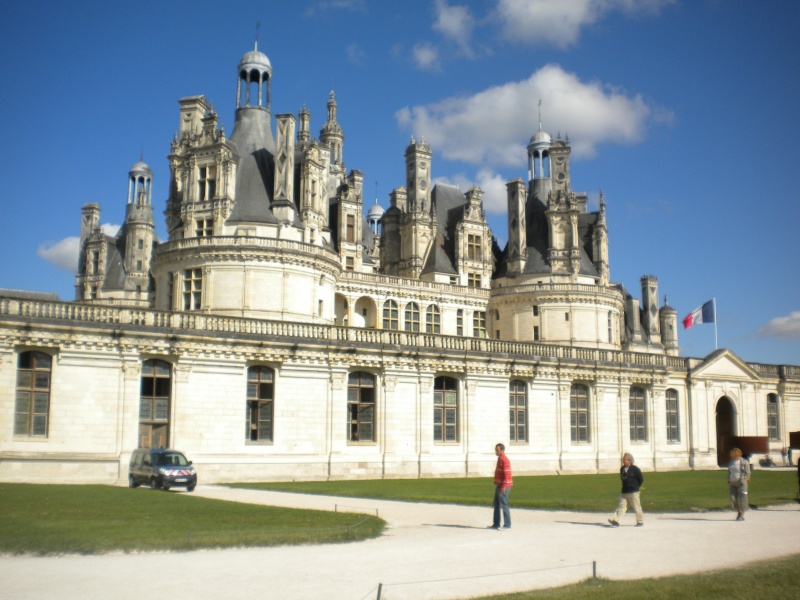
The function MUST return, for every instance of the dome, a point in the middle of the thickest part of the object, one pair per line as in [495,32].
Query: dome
[541,137]
[141,168]
[375,211]
[255,60]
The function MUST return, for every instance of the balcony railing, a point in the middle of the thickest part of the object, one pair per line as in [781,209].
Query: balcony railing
[190,322]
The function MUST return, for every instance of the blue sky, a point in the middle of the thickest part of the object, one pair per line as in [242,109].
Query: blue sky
[684,112]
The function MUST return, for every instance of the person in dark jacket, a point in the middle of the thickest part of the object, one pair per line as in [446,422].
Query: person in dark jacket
[632,479]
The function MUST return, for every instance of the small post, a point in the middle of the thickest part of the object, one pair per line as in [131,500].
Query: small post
[594,569]
[380,587]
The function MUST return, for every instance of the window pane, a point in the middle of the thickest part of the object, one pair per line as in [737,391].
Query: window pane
[146,410]
[43,361]
[24,379]
[450,398]
[252,388]
[148,386]
[21,424]
[265,391]
[162,409]
[42,381]
[162,387]
[265,412]
[40,404]
[23,401]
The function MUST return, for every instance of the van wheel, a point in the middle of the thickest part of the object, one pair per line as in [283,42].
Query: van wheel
[165,487]
[132,482]
[190,488]
[154,484]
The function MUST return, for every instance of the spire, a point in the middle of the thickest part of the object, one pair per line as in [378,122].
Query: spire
[258,26]
[540,114]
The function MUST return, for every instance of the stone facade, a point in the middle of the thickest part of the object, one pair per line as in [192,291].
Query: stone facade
[280,334]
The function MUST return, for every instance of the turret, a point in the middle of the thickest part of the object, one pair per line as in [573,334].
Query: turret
[650,317]
[668,318]
[517,195]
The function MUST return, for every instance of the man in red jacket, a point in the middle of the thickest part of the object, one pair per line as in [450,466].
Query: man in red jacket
[503,483]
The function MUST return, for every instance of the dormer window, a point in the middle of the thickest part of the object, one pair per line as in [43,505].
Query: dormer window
[207,183]
[474,247]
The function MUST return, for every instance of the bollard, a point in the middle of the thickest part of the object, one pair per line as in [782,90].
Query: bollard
[380,587]
[594,569]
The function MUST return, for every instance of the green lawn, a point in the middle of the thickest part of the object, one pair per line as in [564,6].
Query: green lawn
[53,519]
[677,491]
[773,580]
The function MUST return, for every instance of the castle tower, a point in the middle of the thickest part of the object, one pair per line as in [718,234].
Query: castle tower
[600,243]
[331,134]
[517,195]
[418,228]
[139,228]
[650,315]
[668,317]
[304,134]
[539,165]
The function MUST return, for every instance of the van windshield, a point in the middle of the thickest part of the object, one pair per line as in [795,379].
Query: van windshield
[170,459]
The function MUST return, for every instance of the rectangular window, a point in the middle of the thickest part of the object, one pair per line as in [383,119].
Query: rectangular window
[433,322]
[391,318]
[139,265]
[473,280]
[673,428]
[94,263]
[579,414]
[474,247]
[773,428]
[349,263]
[192,289]
[141,244]
[204,228]
[361,407]
[638,415]
[206,183]
[459,322]
[260,404]
[535,333]
[479,324]
[350,233]
[445,410]
[566,316]
[32,405]
[518,411]
[535,310]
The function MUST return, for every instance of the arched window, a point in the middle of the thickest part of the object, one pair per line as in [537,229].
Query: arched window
[433,322]
[773,422]
[390,315]
[32,405]
[518,411]
[638,415]
[154,404]
[411,316]
[579,413]
[260,404]
[445,409]
[361,407]
[673,426]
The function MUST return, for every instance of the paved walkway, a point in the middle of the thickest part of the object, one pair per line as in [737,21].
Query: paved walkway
[429,551]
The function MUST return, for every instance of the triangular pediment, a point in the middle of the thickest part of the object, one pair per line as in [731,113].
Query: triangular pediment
[723,364]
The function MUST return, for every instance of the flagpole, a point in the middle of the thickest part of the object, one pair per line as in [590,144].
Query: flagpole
[716,346]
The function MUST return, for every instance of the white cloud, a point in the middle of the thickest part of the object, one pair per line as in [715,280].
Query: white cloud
[559,22]
[355,54]
[324,5]
[491,128]
[787,328]
[491,183]
[426,56]
[456,24]
[64,253]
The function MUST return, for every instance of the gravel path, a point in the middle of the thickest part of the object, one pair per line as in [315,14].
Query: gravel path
[429,551]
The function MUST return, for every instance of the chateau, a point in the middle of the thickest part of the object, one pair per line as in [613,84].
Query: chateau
[278,333]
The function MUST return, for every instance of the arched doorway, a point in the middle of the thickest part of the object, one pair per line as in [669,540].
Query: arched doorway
[726,428]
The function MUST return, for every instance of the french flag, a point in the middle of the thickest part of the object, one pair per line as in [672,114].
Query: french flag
[704,314]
